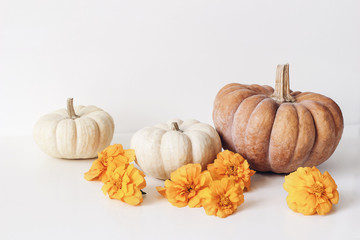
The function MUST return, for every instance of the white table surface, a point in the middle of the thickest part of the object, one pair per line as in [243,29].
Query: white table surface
[47,198]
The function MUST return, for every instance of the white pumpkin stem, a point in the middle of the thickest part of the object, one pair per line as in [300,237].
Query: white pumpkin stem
[282,85]
[175,127]
[70,109]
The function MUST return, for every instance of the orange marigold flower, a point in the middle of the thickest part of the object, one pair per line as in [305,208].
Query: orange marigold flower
[124,182]
[112,154]
[162,191]
[184,186]
[310,191]
[222,197]
[229,164]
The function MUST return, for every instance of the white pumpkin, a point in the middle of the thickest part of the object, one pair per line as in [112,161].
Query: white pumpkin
[163,148]
[74,133]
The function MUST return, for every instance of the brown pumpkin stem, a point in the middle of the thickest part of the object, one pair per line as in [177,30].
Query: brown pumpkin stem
[70,109]
[282,85]
[175,127]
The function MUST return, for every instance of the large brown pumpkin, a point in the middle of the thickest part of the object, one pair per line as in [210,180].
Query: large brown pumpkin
[279,130]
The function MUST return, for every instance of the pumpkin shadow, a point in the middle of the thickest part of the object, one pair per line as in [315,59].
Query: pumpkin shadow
[76,159]
[263,179]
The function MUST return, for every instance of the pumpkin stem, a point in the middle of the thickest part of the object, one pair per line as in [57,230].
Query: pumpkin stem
[70,109]
[175,127]
[282,85]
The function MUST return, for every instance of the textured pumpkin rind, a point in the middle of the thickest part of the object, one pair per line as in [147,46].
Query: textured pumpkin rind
[81,138]
[273,136]
[160,150]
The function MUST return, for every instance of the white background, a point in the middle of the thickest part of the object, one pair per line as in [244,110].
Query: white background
[146,62]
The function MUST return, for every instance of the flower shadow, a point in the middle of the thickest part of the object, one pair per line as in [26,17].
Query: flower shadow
[152,196]
[248,204]
[347,199]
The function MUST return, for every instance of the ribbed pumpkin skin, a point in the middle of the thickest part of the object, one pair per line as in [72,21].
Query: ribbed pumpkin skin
[62,137]
[160,150]
[274,136]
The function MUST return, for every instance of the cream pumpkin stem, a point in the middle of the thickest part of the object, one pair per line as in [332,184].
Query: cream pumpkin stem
[70,109]
[175,127]
[282,85]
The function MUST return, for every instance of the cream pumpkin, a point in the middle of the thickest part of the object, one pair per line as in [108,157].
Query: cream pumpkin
[277,130]
[163,148]
[74,133]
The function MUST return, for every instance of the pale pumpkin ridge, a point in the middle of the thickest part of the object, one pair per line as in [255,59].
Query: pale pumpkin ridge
[97,136]
[334,144]
[268,165]
[76,138]
[62,154]
[197,130]
[153,137]
[210,134]
[159,150]
[105,123]
[80,110]
[56,142]
[55,136]
[192,143]
[212,140]
[191,149]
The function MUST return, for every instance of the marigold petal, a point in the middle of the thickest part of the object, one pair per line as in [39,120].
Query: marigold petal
[136,177]
[310,191]
[185,186]
[335,198]
[181,198]
[195,202]
[119,159]
[96,169]
[211,167]
[117,195]
[130,154]
[222,197]
[205,194]
[133,199]
[229,164]
[178,176]
[105,188]
[168,183]
[161,190]
[205,178]
[114,149]
[324,208]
